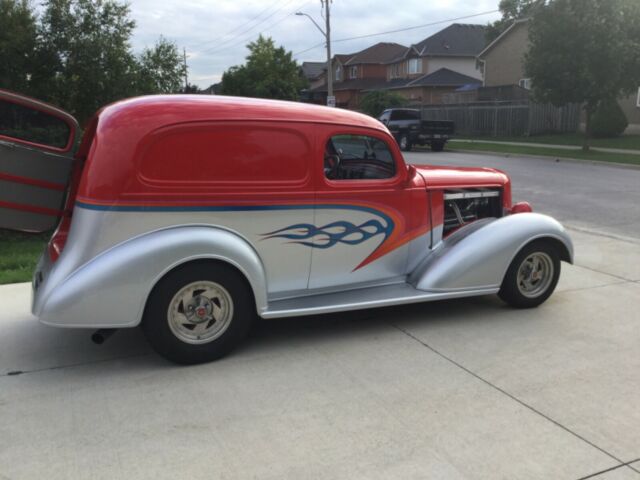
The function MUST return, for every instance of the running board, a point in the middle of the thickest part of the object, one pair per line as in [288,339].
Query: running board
[372,297]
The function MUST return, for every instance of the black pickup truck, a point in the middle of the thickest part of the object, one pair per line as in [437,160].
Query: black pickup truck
[408,128]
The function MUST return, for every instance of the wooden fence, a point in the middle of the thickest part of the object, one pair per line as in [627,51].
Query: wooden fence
[506,119]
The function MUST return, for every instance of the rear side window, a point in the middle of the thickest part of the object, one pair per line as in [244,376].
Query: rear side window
[357,157]
[30,125]
[227,154]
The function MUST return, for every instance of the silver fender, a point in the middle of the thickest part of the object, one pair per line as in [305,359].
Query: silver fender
[110,291]
[478,255]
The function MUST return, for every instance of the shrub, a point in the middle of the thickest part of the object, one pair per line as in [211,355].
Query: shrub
[374,103]
[608,120]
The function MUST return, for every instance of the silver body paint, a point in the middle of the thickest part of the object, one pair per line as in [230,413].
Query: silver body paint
[112,261]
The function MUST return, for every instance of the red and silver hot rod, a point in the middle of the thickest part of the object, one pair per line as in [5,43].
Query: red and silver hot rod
[192,215]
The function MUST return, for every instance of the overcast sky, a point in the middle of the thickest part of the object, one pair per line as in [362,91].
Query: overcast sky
[215,32]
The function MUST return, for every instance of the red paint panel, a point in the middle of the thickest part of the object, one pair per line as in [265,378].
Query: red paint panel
[32,181]
[31,209]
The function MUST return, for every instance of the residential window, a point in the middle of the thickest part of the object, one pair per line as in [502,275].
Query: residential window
[358,157]
[338,73]
[395,70]
[414,66]
[525,83]
[353,72]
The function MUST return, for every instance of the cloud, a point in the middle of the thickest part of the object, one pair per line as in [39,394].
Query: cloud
[215,34]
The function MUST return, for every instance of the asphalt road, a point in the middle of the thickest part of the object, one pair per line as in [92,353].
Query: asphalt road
[466,389]
[580,194]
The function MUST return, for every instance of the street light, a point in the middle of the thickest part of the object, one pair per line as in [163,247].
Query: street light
[327,36]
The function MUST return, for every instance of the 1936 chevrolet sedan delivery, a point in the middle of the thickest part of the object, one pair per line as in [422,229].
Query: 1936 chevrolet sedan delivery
[190,215]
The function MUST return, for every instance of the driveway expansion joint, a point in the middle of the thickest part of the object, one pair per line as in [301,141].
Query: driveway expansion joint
[616,467]
[14,373]
[511,396]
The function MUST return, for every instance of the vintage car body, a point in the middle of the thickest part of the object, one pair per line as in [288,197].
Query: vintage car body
[163,183]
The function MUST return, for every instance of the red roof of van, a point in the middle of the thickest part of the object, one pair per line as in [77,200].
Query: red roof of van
[181,108]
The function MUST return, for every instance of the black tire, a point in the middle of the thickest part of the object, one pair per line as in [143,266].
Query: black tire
[437,146]
[513,293]
[404,142]
[237,294]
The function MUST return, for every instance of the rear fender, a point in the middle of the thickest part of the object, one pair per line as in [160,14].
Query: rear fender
[111,290]
[479,254]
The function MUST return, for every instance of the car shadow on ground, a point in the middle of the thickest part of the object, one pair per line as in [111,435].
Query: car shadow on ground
[46,348]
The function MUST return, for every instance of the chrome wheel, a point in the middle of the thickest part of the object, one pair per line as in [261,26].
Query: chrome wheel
[404,142]
[200,312]
[535,274]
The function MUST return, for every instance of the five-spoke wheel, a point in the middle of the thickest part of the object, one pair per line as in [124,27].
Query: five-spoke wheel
[198,312]
[532,276]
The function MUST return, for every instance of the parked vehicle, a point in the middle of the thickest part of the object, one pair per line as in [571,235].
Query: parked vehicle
[408,128]
[193,215]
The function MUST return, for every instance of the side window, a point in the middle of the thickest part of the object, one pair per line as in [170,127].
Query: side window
[33,126]
[357,157]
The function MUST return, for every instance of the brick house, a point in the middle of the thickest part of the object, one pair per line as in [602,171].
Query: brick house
[353,73]
[431,88]
[502,62]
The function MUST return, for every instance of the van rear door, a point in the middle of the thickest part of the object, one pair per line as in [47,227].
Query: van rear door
[36,160]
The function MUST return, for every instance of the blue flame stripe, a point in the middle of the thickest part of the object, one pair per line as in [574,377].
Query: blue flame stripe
[303,233]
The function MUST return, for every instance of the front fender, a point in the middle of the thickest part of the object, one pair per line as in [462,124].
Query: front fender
[479,254]
[111,290]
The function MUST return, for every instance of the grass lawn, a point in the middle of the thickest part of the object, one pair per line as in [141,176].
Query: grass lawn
[18,255]
[626,142]
[547,152]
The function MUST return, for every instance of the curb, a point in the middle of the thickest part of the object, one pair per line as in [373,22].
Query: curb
[549,158]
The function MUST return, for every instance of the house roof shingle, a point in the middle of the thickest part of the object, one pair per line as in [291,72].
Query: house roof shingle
[313,70]
[440,78]
[443,78]
[462,40]
[381,52]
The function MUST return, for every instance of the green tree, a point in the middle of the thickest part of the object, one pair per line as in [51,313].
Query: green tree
[161,69]
[77,54]
[17,44]
[584,51]
[374,103]
[511,10]
[269,72]
[84,56]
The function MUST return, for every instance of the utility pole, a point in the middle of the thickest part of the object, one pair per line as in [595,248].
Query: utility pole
[331,100]
[186,74]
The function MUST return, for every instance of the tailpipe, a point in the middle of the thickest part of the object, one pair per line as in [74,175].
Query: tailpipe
[101,335]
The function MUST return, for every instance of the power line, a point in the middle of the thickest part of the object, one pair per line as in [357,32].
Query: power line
[228,43]
[251,20]
[415,27]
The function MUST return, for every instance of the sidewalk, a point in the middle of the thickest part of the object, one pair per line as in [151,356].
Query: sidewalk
[546,145]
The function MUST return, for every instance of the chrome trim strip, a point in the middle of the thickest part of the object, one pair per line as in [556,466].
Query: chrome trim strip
[466,195]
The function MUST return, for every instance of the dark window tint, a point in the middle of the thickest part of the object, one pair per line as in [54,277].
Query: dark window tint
[24,123]
[357,157]
[405,115]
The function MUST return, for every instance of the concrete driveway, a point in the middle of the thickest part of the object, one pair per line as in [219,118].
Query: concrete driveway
[468,389]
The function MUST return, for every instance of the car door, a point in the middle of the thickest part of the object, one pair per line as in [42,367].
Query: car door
[362,210]
[36,159]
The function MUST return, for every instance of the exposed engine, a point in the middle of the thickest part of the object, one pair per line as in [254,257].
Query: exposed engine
[468,205]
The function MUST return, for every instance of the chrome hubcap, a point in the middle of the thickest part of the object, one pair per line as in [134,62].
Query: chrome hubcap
[200,312]
[535,275]
[403,142]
